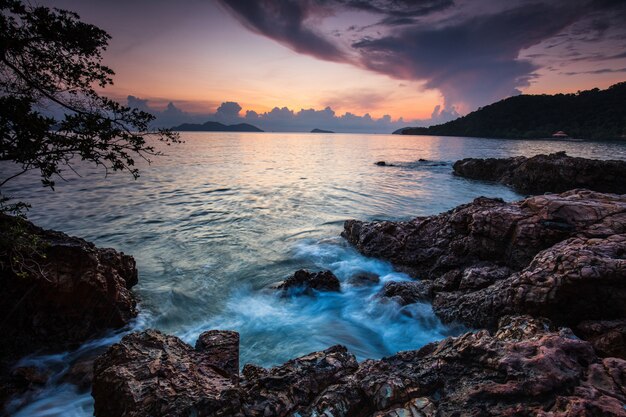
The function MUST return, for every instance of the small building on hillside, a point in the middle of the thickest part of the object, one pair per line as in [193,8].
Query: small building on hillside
[560,134]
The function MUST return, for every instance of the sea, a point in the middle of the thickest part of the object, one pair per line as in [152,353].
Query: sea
[215,220]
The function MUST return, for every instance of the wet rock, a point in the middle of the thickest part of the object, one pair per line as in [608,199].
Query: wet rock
[487,230]
[151,374]
[556,172]
[383,164]
[363,279]
[16,382]
[303,281]
[561,256]
[65,291]
[406,292]
[80,374]
[221,349]
[575,280]
[526,367]
[608,337]
[523,369]
[283,389]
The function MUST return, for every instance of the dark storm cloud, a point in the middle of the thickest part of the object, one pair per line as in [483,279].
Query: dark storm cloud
[473,61]
[468,50]
[398,12]
[285,22]
[597,72]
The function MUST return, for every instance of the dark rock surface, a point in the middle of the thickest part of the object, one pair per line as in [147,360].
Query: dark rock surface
[558,256]
[525,368]
[151,374]
[75,291]
[303,281]
[221,347]
[363,279]
[608,337]
[407,292]
[555,172]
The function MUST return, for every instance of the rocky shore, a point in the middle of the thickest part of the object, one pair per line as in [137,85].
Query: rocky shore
[57,292]
[560,256]
[525,368]
[542,281]
[545,278]
[554,173]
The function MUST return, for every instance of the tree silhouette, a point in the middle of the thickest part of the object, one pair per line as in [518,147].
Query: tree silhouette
[50,63]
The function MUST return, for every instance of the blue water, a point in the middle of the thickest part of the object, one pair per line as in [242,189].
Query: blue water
[223,215]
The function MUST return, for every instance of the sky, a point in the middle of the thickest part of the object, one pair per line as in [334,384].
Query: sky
[350,65]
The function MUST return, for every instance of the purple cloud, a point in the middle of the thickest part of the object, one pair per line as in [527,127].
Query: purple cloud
[469,50]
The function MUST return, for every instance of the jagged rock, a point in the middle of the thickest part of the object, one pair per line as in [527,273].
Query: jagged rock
[608,337]
[575,280]
[151,374]
[303,281]
[559,256]
[363,278]
[282,389]
[70,291]
[556,172]
[406,292]
[488,230]
[527,367]
[221,348]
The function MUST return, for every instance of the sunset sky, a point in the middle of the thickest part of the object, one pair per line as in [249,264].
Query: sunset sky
[424,60]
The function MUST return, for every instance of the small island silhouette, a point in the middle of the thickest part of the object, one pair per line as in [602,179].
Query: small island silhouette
[215,127]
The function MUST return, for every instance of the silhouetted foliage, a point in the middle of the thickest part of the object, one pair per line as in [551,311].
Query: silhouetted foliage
[50,63]
[591,114]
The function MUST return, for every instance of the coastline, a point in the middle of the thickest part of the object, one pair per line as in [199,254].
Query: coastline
[513,324]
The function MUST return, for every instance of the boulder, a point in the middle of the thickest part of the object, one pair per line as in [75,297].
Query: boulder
[151,374]
[555,173]
[304,282]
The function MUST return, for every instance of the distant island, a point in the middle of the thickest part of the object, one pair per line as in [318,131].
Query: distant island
[215,127]
[590,114]
[321,131]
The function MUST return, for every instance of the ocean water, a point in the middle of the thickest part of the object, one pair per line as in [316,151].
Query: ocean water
[220,217]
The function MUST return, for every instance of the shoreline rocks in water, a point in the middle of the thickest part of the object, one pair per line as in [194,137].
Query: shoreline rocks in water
[304,282]
[526,367]
[62,292]
[561,256]
[76,292]
[555,173]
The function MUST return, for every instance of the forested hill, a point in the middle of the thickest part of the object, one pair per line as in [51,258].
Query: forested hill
[591,114]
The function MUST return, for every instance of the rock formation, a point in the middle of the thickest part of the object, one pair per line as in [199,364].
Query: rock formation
[525,368]
[304,282]
[555,173]
[558,256]
[62,292]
